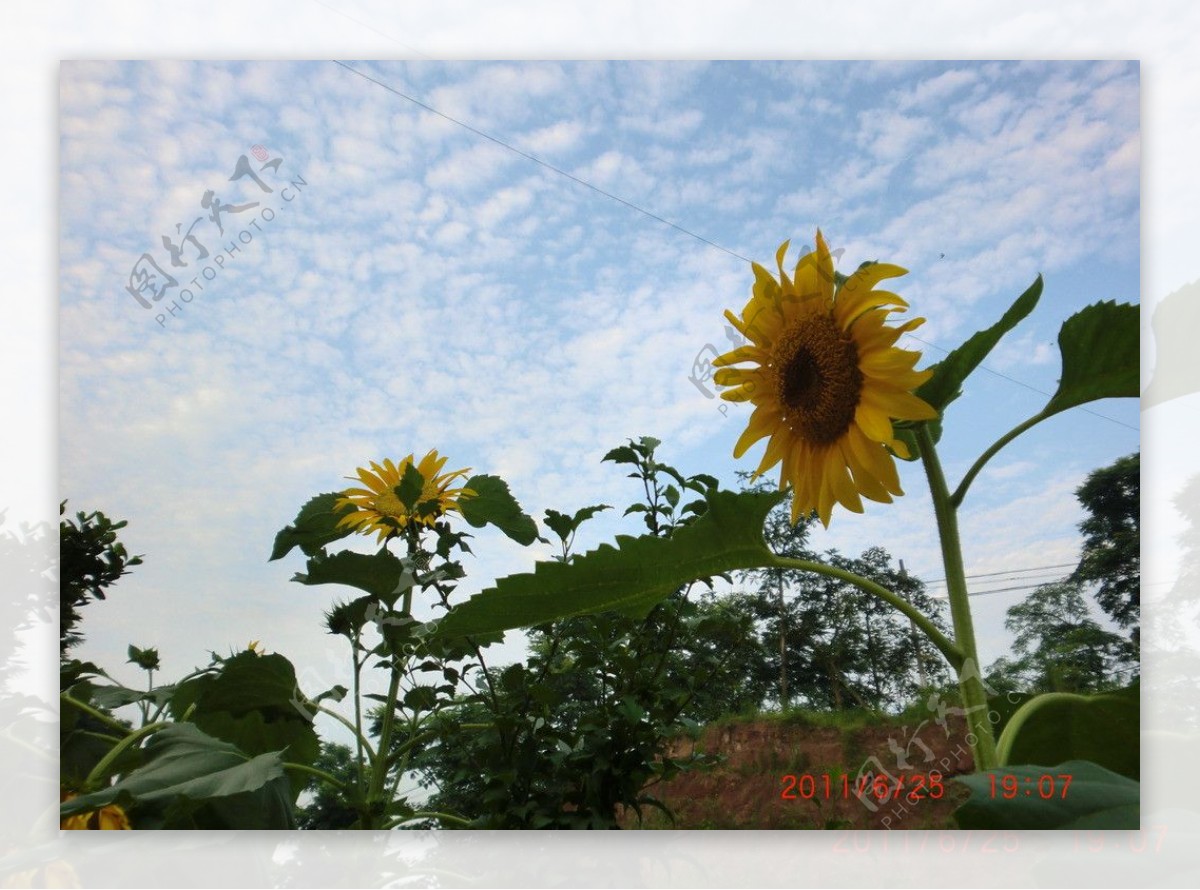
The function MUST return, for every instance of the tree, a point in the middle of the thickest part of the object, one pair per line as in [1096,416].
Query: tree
[1111,544]
[1058,647]
[829,644]
[91,560]
[328,809]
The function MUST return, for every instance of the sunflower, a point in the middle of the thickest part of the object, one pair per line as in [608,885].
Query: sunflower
[379,509]
[109,818]
[827,381]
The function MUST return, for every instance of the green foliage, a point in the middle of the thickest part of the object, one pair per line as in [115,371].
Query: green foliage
[1112,538]
[251,701]
[1058,646]
[951,372]
[632,577]
[493,504]
[1054,729]
[189,779]
[328,809]
[579,730]
[91,560]
[382,574]
[826,643]
[1096,798]
[315,526]
[1100,356]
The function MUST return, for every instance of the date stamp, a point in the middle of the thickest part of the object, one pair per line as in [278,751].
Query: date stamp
[882,788]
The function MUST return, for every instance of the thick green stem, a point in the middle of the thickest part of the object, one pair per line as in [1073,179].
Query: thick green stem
[379,771]
[313,771]
[961,492]
[953,654]
[970,683]
[100,770]
[92,712]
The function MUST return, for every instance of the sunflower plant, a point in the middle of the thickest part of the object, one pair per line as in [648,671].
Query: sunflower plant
[410,507]
[839,403]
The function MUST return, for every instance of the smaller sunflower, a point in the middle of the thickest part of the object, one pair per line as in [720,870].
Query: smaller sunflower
[827,381]
[378,509]
[109,818]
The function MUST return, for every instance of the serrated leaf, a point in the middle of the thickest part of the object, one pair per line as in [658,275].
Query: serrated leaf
[559,523]
[181,761]
[633,576]
[583,514]
[314,526]
[948,375]
[381,574]
[1101,356]
[493,504]
[1095,798]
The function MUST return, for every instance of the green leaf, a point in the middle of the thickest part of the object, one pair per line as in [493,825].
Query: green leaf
[583,514]
[622,454]
[1095,798]
[252,702]
[559,523]
[1103,729]
[410,487]
[1101,356]
[381,574]
[314,526]
[948,375]
[633,576]
[494,504]
[183,762]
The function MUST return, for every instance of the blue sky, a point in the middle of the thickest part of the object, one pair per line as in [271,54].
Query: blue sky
[410,284]
[161,186]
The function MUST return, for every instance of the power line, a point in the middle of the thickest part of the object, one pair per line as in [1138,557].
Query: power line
[540,162]
[637,208]
[1061,565]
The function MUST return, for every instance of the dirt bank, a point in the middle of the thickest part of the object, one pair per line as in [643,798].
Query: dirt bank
[776,774]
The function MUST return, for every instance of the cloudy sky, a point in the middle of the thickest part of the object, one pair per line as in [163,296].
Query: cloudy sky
[390,270]
[182,476]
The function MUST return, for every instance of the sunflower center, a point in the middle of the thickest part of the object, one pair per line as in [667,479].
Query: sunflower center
[389,505]
[817,378]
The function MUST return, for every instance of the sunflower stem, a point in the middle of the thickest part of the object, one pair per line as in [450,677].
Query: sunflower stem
[953,654]
[970,682]
[379,769]
[100,770]
[961,492]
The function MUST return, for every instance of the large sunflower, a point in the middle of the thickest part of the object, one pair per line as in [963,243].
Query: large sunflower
[379,509]
[827,381]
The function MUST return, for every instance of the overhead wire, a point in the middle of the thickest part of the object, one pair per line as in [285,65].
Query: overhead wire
[639,209]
